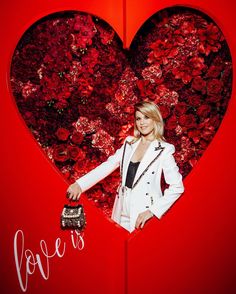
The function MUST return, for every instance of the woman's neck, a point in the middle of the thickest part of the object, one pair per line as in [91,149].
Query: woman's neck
[147,139]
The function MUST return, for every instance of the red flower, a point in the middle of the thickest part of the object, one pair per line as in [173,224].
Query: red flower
[60,153]
[152,73]
[85,31]
[62,134]
[166,96]
[187,121]
[199,84]
[210,39]
[214,71]
[214,87]
[203,110]
[85,87]
[103,141]
[194,99]
[75,153]
[165,110]
[171,123]
[105,35]
[28,89]
[77,138]
[195,135]
[180,108]
[86,126]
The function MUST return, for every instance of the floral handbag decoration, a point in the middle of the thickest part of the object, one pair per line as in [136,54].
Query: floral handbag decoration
[73,217]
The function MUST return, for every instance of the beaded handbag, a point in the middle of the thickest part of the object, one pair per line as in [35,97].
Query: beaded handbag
[73,217]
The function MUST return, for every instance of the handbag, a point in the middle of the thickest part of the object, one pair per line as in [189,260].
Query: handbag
[73,217]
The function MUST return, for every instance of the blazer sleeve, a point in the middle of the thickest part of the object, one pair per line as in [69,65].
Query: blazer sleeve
[101,171]
[174,179]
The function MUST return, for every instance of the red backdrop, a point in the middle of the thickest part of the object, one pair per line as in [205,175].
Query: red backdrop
[191,250]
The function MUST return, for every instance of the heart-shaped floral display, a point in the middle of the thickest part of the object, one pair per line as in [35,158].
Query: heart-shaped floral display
[75,87]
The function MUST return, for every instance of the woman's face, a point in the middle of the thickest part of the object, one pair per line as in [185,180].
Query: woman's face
[145,125]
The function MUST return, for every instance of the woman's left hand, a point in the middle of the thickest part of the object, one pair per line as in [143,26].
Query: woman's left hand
[142,218]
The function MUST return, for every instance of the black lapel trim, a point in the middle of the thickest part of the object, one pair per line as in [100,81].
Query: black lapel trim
[122,161]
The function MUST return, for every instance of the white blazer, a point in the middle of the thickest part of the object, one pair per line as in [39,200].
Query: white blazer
[146,189]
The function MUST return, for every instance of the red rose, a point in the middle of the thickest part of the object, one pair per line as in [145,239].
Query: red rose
[213,98]
[180,108]
[214,71]
[199,84]
[165,110]
[77,138]
[75,153]
[30,118]
[194,99]
[62,134]
[204,110]
[214,86]
[187,121]
[171,123]
[60,153]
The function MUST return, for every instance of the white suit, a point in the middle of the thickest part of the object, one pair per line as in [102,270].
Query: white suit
[146,190]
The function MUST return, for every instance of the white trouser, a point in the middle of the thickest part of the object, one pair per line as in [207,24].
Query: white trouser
[125,214]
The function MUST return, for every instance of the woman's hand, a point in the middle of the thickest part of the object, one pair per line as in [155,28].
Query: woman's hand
[142,218]
[73,192]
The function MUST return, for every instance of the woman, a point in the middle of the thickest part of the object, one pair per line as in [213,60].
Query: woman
[142,159]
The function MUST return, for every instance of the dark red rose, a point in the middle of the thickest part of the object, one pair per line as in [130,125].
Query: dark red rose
[214,71]
[199,84]
[214,87]
[204,110]
[213,98]
[62,134]
[194,99]
[30,118]
[171,123]
[77,138]
[180,108]
[75,153]
[187,121]
[60,153]
[165,110]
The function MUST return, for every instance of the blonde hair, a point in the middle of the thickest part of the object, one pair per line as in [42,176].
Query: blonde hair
[151,110]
